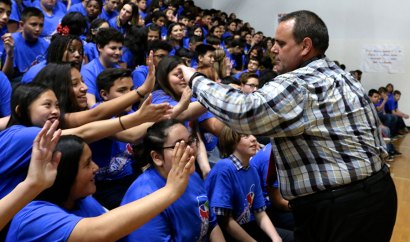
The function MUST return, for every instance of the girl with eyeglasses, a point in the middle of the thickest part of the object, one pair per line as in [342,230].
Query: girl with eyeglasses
[189,218]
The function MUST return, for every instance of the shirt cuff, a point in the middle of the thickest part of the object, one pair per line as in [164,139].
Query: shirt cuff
[196,74]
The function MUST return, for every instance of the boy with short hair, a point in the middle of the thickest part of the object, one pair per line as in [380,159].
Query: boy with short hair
[112,155]
[109,10]
[253,67]
[205,54]
[28,45]
[153,32]
[160,49]
[109,43]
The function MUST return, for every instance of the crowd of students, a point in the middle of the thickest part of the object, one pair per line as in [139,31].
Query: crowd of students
[139,159]
[392,126]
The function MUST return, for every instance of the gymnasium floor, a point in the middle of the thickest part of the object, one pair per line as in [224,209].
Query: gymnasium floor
[400,169]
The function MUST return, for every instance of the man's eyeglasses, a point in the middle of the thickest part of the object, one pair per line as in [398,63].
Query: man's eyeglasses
[191,142]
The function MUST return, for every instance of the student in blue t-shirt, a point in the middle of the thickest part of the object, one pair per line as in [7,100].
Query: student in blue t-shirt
[109,44]
[93,9]
[127,16]
[41,174]
[67,212]
[160,49]
[31,106]
[71,92]
[172,88]
[90,48]
[114,154]
[29,47]
[79,7]
[142,7]
[159,19]
[5,93]
[205,54]
[235,192]
[277,207]
[109,10]
[189,218]
[53,12]
[63,48]
[6,41]
[253,67]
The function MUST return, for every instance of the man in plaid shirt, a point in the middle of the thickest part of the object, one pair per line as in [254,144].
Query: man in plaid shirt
[328,151]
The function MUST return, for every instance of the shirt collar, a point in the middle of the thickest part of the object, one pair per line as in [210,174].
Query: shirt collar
[238,163]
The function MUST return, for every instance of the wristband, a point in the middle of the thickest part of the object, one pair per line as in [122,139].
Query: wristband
[196,74]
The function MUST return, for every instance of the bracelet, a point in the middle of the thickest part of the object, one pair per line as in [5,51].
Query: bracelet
[139,94]
[122,125]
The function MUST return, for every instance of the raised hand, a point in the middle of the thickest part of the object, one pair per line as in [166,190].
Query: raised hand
[8,43]
[149,83]
[44,162]
[183,102]
[154,112]
[182,168]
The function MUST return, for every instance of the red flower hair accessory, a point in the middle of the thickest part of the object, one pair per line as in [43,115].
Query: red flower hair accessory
[63,30]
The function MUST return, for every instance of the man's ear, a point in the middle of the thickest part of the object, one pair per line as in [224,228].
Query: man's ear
[104,95]
[157,158]
[307,46]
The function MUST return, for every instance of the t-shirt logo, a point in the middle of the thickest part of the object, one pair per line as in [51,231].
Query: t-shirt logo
[245,216]
[203,207]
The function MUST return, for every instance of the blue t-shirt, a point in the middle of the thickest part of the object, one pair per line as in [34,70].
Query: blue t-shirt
[89,72]
[45,221]
[187,219]
[15,11]
[142,14]
[237,190]
[139,75]
[5,93]
[113,157]
[16,143]
[390,104]
[91,51]
[261,163]
[27,54]
[107,16]
[51,21]
[33,71]
[113,24]
[2,51]
[210,140]
[128,58]
[78,7]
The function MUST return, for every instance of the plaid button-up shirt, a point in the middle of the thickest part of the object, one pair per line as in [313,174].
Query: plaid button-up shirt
[324,128]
